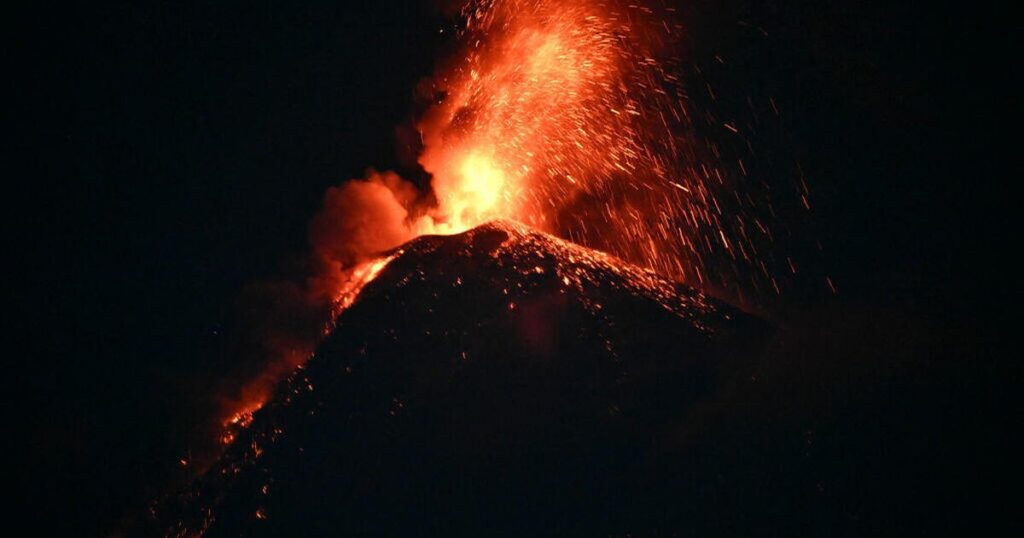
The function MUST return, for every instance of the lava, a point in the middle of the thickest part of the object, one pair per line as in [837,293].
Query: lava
[257,392]
[570,116]
[361,275]
[566,115]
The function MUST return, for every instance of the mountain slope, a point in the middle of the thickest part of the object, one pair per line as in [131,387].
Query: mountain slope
[499,381]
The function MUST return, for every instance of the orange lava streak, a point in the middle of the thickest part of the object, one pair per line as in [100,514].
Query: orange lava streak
[360,276]
[257,394]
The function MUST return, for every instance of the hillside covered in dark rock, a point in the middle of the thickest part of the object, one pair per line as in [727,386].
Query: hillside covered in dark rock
[506,382]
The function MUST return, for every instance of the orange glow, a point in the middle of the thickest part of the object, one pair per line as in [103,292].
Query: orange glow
[240,420]
[566,115]
[513,129]
[256,394]
[570,116]
[360,276]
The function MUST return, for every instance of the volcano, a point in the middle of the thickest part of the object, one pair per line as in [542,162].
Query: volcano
[499,381]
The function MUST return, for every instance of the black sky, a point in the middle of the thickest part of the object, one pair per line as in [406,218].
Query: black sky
[167,153]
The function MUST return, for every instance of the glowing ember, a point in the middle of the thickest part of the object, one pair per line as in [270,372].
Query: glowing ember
[359,276]
[239,421]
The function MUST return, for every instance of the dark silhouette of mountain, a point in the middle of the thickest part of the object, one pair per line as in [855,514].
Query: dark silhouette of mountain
[506,382]
[501,380]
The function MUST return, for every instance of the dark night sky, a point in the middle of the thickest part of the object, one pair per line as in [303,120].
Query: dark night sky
[169,153]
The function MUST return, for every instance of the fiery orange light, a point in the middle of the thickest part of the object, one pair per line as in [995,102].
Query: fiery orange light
[360,276]
[568,116]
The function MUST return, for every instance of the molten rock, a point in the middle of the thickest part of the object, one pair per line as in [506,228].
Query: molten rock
[500,381]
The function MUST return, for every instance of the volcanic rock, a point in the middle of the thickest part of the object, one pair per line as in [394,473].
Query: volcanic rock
[497,382]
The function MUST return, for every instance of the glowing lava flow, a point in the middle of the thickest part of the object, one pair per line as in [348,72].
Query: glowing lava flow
[256,395]
[361,275]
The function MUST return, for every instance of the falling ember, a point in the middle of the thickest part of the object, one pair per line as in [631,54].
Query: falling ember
[568,116]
